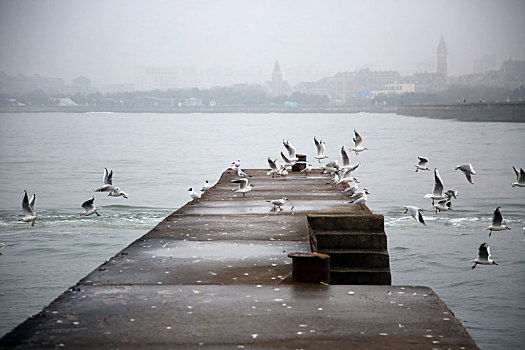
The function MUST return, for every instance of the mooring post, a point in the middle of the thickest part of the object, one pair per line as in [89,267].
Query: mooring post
[310,267]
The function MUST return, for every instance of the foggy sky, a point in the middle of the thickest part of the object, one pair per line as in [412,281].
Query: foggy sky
[105,40]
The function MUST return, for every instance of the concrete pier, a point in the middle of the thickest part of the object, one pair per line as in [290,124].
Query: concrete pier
[216,274]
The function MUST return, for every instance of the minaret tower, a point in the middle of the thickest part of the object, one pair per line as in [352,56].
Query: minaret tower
[441,66]
[277,79]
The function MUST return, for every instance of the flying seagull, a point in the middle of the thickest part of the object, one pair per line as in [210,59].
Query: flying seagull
[29,209]
[274,167]
[346,161]
[520,178]
[437,193]
[497,222]
[422,164]
[277,203]
[89,207]
[416,213]
[357,143]
[320,145]
[468,170]
[483,256]
[291,151]
[443,205]
[244,186]
[108,186]
[2,245]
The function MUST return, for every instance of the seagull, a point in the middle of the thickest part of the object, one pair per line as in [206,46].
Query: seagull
[244,186]
[416,213]
[89,207]
[2,245]
[206,187]
[451,193]
[235,164]
[283,171]
[278,203]
[483,256]
[241,173]
[108,186]
[422,164]
[274,167]
[307,169]
[194,195]
[345,178]
[443,205]
[497,222]
[287,162]
[437,193]
[330,167]
[468,170]
[346,161]
[320,145]
[361,198]
[357,144]
[29,209]
[291,151]
[351,189]
[520,178]
[334,181]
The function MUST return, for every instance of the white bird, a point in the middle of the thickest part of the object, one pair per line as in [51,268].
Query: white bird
[357,143]
[241,173]
[350,190]
[483,256]
[283,171]
[277,203]
[346,161]
[29,209]
[437,193]
[416,213]
[520,178]
[422,164]
[2,245]
[361,198]
[307,169]
[330,167]
[320,145]
[114,191]
[468,170]
[291,151]
[345,178]
[497,222]
[287,162]
[194,195]
[274,167]
[89,207]
[244,186]
[451,193]
[334,180]
[443,205]
[235,164]
[206,187]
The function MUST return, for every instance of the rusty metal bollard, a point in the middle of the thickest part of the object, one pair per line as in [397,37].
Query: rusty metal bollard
[301,163]
[310,267]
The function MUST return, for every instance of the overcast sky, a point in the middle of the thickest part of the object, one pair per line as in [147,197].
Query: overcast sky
[105,40]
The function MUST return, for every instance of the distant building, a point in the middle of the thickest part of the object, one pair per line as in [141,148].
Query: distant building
[394,88]
[441,65]
[148,79]
[193,102]
[277,85]
[484,64]
[80,85]
[22,84]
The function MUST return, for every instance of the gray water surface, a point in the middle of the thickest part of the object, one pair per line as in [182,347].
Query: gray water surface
[157,157]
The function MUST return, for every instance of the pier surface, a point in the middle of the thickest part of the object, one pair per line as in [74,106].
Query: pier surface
[216,274]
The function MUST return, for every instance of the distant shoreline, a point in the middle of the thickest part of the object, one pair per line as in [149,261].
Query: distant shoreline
[485,112]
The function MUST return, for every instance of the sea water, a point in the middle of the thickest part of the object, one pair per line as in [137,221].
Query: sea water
[157,157]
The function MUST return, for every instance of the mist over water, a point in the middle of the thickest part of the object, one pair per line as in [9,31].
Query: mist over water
[157,157]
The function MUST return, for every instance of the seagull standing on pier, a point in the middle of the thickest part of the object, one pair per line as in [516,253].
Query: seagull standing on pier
[277,203]
[89,207]
[416,213]
[206,187]
[483,256]
[194,195]
[468,170]
[244,186]
[360,198]
[422,164]
[358,140]
[29,209]
[520,178]
[307,169]
[320,145]
[497,222]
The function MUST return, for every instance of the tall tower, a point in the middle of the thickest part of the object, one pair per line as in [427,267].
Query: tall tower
[441,66]
[277,79]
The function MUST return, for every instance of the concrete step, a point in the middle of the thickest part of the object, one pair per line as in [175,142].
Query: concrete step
[373,275]
[349,240]
[344,222]
[357,257]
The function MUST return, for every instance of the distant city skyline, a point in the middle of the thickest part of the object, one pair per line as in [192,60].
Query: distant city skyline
[107,40]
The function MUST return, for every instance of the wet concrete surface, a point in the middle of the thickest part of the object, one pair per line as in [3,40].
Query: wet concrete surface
[216,274]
